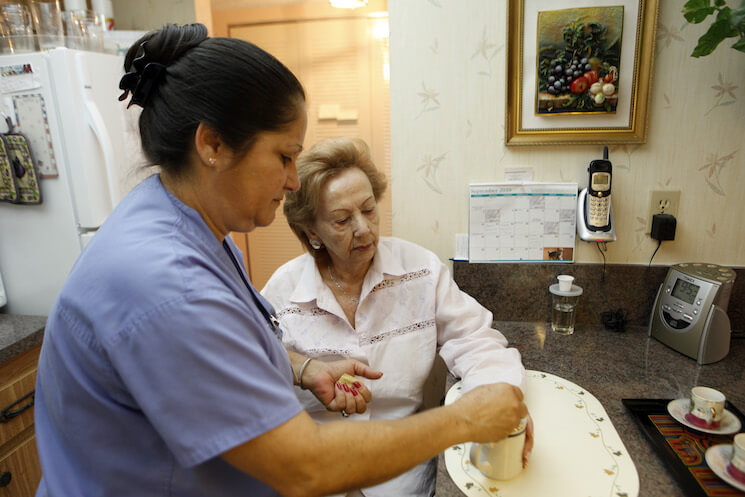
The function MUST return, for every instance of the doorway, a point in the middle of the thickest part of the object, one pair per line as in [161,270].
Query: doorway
[343,64]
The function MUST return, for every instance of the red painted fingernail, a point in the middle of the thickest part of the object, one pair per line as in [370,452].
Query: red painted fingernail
[338,385]
[357,384]
[346,388]
[354,392]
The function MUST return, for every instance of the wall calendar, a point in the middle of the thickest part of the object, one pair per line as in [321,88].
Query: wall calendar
[522,222]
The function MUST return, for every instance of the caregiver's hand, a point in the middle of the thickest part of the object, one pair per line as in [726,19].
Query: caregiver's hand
[529,441]
[321,378]
[491,412]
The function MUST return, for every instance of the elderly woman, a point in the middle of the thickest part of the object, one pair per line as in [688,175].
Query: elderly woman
[383,301]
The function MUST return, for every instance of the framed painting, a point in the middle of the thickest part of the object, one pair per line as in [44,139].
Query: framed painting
[579,72]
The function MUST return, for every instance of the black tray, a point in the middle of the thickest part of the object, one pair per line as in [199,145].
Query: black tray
[686,465]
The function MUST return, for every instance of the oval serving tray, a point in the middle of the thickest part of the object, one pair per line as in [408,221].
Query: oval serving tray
[577,450]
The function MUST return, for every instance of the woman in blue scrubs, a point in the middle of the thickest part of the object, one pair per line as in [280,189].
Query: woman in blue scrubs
[162,370]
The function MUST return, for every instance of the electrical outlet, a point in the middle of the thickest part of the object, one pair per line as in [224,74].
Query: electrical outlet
[663,202]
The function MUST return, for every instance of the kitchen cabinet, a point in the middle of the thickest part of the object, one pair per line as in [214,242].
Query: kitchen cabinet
[20,471]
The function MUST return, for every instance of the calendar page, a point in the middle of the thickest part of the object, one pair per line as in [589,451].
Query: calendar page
[522,222]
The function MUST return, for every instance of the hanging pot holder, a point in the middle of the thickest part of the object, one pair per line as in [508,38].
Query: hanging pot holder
[22,165]
[8,186]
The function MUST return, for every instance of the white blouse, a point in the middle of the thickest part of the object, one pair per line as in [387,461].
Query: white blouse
[410,309]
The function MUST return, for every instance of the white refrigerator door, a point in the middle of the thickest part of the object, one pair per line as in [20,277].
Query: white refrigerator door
[86,85]
[92,140]
[38,243]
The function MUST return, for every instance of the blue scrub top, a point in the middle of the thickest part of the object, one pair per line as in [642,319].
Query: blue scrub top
[155,361]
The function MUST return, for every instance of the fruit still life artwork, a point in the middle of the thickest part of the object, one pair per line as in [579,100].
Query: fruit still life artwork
[579,55]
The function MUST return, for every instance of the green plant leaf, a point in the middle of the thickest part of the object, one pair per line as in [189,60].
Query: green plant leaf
[725,14]
[738,20]
[720,3]
[695,11]
[718,31]
[740,45]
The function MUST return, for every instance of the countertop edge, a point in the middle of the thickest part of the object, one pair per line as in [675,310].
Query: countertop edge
[19,333]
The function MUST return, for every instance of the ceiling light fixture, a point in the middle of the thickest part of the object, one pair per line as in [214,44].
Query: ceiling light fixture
[348,4]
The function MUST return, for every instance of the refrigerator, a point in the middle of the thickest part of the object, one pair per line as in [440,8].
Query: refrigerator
[85,146]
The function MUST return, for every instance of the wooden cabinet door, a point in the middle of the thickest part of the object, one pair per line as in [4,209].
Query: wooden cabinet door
[20,468]
[20,471]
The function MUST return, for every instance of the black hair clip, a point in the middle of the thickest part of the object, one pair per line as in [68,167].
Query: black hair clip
[142,80]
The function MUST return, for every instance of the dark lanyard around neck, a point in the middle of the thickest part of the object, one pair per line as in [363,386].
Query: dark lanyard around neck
[272,320]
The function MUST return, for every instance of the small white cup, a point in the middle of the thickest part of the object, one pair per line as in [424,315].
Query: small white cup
[707,406]
[501,460]
[565,282]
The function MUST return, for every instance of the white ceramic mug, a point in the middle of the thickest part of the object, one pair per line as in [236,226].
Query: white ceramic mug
[501,460]
[707,405]
[737,464]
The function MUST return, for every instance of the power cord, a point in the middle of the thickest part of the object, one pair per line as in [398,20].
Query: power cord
[659,242]
[602,275]
[612,320]
[663,228]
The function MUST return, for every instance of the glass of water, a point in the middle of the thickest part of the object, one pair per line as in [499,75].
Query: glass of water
[563,308]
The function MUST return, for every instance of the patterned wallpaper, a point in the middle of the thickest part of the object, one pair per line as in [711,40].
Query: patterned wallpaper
[447,130]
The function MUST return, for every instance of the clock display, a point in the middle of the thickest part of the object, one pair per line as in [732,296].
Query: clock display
[685,291]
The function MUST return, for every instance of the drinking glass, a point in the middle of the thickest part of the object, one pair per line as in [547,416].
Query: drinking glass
[47,17]
[15,28]
[564,307]
[84,30]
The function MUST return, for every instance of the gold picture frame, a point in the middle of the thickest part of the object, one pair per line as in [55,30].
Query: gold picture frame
[524,126]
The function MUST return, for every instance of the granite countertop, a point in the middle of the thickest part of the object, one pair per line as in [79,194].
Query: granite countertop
[613,366]
[19,333]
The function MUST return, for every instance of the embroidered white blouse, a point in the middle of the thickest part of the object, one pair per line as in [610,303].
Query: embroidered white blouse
[410,309]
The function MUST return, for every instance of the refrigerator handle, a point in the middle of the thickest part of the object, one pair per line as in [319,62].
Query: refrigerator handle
[97,124]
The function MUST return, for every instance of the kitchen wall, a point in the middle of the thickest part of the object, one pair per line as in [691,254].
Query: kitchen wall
[152,14]
[447,122]
[447,130]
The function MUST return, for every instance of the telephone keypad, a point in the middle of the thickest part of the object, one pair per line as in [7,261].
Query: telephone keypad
[599,210]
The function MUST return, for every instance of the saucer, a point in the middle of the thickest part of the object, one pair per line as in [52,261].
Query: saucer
[718,458]
[678,409]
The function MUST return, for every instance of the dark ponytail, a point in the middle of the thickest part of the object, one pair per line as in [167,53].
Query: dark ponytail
[181,77]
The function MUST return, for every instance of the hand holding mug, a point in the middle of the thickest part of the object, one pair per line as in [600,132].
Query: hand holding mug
[492,411]
[501,460]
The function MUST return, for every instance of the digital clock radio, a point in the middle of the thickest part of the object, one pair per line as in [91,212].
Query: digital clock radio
[690,311]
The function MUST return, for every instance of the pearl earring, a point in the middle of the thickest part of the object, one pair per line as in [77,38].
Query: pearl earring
[315,244]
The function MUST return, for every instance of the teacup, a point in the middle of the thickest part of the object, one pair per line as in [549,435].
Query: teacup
[501,460]
[736,467]
[707,407]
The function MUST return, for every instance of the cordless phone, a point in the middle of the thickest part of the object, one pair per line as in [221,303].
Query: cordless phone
[598,194]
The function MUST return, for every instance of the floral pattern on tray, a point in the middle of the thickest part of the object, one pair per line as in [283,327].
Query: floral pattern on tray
[577,450]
